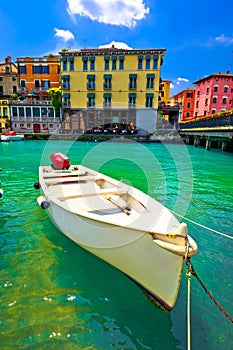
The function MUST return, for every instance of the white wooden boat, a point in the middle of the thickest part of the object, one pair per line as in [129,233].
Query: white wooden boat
[12,136]
[119,224]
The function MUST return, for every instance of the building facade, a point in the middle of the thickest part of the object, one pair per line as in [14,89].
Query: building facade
[185,100]
[109,87]
[214,94]
[8,88]
[33,110]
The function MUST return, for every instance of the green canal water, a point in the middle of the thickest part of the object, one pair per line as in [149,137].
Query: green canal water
[55,295]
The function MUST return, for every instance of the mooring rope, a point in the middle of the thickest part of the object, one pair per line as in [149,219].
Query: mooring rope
[202,226]
[193,273]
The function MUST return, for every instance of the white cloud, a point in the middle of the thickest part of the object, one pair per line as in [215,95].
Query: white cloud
[117,45]
[115,12]
[222,39]
[66,35]
[182,79]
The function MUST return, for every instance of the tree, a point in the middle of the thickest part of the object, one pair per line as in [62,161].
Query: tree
[56,98]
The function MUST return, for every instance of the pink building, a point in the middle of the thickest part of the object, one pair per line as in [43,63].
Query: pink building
[213,94]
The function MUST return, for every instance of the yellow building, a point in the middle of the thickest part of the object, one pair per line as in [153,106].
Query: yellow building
[4,114]
[8,87]
[110,86]
[165,86]
[8,78]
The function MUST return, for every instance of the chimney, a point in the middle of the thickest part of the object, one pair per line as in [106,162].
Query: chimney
[8,59]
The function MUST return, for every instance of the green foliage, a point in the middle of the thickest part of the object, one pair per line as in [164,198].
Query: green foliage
[56,98]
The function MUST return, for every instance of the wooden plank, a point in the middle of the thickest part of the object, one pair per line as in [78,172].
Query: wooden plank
[102,192]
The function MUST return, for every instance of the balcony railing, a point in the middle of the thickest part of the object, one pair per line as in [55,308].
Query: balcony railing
[132,105]
[132,86]
[90,105]
[29,103]
[107,104]
[224,121]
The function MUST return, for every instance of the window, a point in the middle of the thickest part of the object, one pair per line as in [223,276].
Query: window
[132,81]
[14,111]
[198,92]
[28,112]
[91,100]
[215,88]
[155,62]
[90,82]
[92,63]
[22,70]
[150,81]
[213,111]
[140,58]
[214,99]
[132,100]
[114,59]
[206,101]
[190,94]
[36,112]
[121,65]
[71,61]
[225,89]
[107,81]
[65,82]
[37,84]
[23,83]
[45,69]
[188,105]
[224,100]
[14,89]
[147,62]
[187,115]
[207,89]
[106,63]
[64,64]
[45,84]
[107,100]
[66,100]
[37,69]
[149,100]
[197,104]
[84,63]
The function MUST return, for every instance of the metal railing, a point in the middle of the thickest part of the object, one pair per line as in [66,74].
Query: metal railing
[213,122]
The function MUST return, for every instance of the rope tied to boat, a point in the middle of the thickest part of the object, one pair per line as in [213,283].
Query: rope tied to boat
[191,271]
[188,274]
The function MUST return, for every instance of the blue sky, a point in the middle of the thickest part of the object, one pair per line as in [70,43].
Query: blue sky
[198,36]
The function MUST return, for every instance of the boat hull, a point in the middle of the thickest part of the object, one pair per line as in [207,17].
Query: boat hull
[5,138]
[155,269]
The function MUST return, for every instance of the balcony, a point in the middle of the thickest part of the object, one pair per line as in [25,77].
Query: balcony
[132,105]
[107,105]
[132,86]
[90,105]
[36,90]
[22,90]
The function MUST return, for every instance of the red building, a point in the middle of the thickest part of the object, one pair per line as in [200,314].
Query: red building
[213,94]
[185,100]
